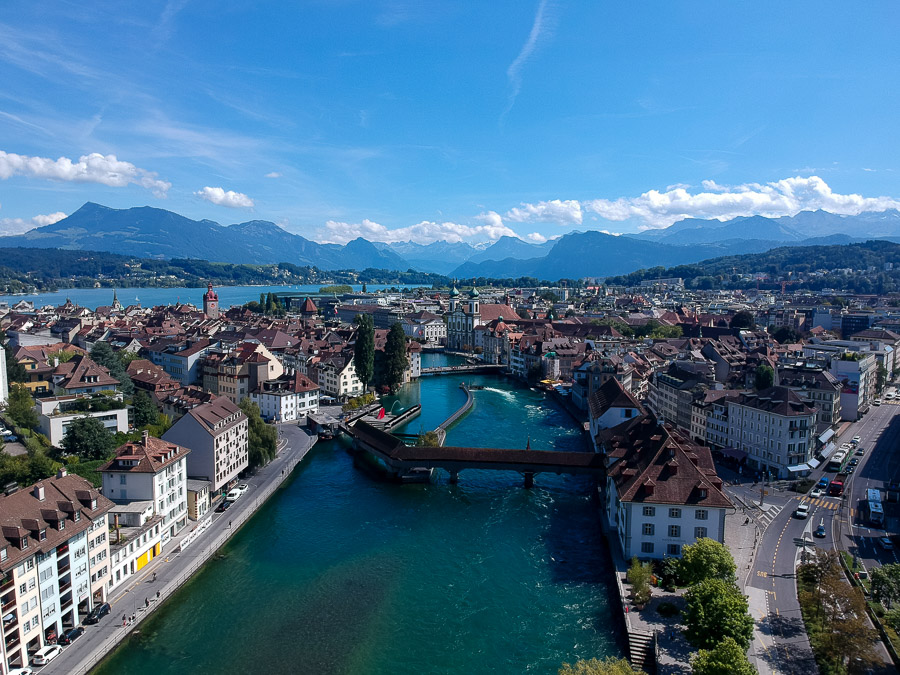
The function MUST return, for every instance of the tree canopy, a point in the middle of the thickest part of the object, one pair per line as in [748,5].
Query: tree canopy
[20,406]
[87,438]
[716,610]
[364,348]
[103,354]
[395,357]
[608,666]
[262,437]
[145,411]
[743,319]
[706,559]
[726,658]
[763,377]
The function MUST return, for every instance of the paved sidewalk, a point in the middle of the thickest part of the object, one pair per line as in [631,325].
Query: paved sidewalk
[174,567]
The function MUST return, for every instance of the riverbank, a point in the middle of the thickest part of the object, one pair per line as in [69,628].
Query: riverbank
[179,562]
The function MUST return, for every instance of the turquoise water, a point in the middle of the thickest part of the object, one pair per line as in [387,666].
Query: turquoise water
[150,297]
[342,572]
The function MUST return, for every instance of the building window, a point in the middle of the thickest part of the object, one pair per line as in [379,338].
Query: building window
[649,529]
[673,549]
[699,532]
[701,514]
[674,531]
[674,513]
[649,511]
[646,547]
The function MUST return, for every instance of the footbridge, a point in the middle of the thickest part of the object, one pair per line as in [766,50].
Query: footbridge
[401,458]
[464,370]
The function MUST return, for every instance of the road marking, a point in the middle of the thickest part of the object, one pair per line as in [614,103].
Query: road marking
[760,573]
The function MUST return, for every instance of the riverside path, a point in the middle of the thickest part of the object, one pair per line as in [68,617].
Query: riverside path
[169,571]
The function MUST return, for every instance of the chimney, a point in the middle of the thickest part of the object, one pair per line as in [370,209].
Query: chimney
[144,436]
[55,361]
[62,473]
[116,525]
[39,492]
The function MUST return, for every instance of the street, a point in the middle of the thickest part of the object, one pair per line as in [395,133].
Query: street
[784,645]
[166,573]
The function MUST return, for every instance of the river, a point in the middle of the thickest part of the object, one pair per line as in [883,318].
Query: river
[342,572]
[151,297]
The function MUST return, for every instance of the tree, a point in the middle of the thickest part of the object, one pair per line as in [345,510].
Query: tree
[639,578]
[763,377]
[716,610]
[20,407]
[87,438]
[145,411]
[706,559]
[262,437]
[880,378]
[364,348]
[787,334]
[428,439]
[886,584]
[726,658]
[608,666]
[743,319]
[364,288]
[395,357]
[102,354]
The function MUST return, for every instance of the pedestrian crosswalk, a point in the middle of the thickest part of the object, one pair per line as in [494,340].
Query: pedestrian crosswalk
[822,503]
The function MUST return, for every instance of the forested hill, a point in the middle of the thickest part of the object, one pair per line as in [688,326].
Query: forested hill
[25,269]
[801,263]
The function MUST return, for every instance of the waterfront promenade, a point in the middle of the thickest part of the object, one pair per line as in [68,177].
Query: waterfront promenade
[172,570]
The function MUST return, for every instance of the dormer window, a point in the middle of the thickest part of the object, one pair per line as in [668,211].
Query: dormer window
[23,543]
[42,534]
[61,524]
[77,515]
[4,553]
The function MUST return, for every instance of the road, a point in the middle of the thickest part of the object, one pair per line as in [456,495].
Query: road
[771,587]
[166,572]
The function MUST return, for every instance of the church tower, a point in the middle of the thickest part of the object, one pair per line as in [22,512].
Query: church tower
[211,303]
[454,299]
[473,304]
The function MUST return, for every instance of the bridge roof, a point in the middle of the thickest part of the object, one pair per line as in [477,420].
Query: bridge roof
[396,449]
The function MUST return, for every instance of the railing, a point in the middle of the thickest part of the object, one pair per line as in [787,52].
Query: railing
[7,583]
[12,642]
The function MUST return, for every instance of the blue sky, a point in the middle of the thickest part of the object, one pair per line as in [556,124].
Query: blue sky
[430,120]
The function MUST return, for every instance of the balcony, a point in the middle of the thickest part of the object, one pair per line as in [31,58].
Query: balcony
[6,583]
[62,569]
[66,586]
[10,621]
[12,642]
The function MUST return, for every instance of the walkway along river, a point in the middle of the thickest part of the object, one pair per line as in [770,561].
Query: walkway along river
[344,573]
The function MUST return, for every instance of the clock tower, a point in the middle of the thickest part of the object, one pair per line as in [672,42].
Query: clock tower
[211,303]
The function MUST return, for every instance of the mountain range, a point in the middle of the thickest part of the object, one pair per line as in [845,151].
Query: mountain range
[149,232]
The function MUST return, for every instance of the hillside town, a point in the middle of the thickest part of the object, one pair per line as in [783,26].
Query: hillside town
[685,393]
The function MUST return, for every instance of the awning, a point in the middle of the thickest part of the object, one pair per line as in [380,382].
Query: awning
[734,453]
[824,438]
[798,468]
[813,463]
[827,450]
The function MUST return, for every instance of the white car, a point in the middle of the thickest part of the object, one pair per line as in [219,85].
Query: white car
[890,396]
[815,493]
[802,511]
[21,671]
[45,655]
[877,401]
[856,440]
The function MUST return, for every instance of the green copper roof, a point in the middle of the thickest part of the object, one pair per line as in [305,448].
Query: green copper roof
[474,292]
[454,293]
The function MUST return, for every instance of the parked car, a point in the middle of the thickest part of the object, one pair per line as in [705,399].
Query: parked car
[816,492]
[221,508]
[97,613]
[45,655]
[70,635]
[10,438]
[820,531]
[20,671]
[242,488]
[802,511]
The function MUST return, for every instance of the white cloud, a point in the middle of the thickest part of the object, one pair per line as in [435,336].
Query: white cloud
[785,197]
[426,232]
[21,225]
[231,199]
[93,168]
[536,237]
[514,72]
[491,218]
[273,174]
[553,211]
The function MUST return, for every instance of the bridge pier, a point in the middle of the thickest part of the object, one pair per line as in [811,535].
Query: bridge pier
[454,477]
[529,479]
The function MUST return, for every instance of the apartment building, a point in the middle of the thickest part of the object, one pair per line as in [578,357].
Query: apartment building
[56,414]
[181,360]
[287,399]
[336,376]
[50,531]
[216,434]
[817,388]
[154,471]
[775,428]
[662,491]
